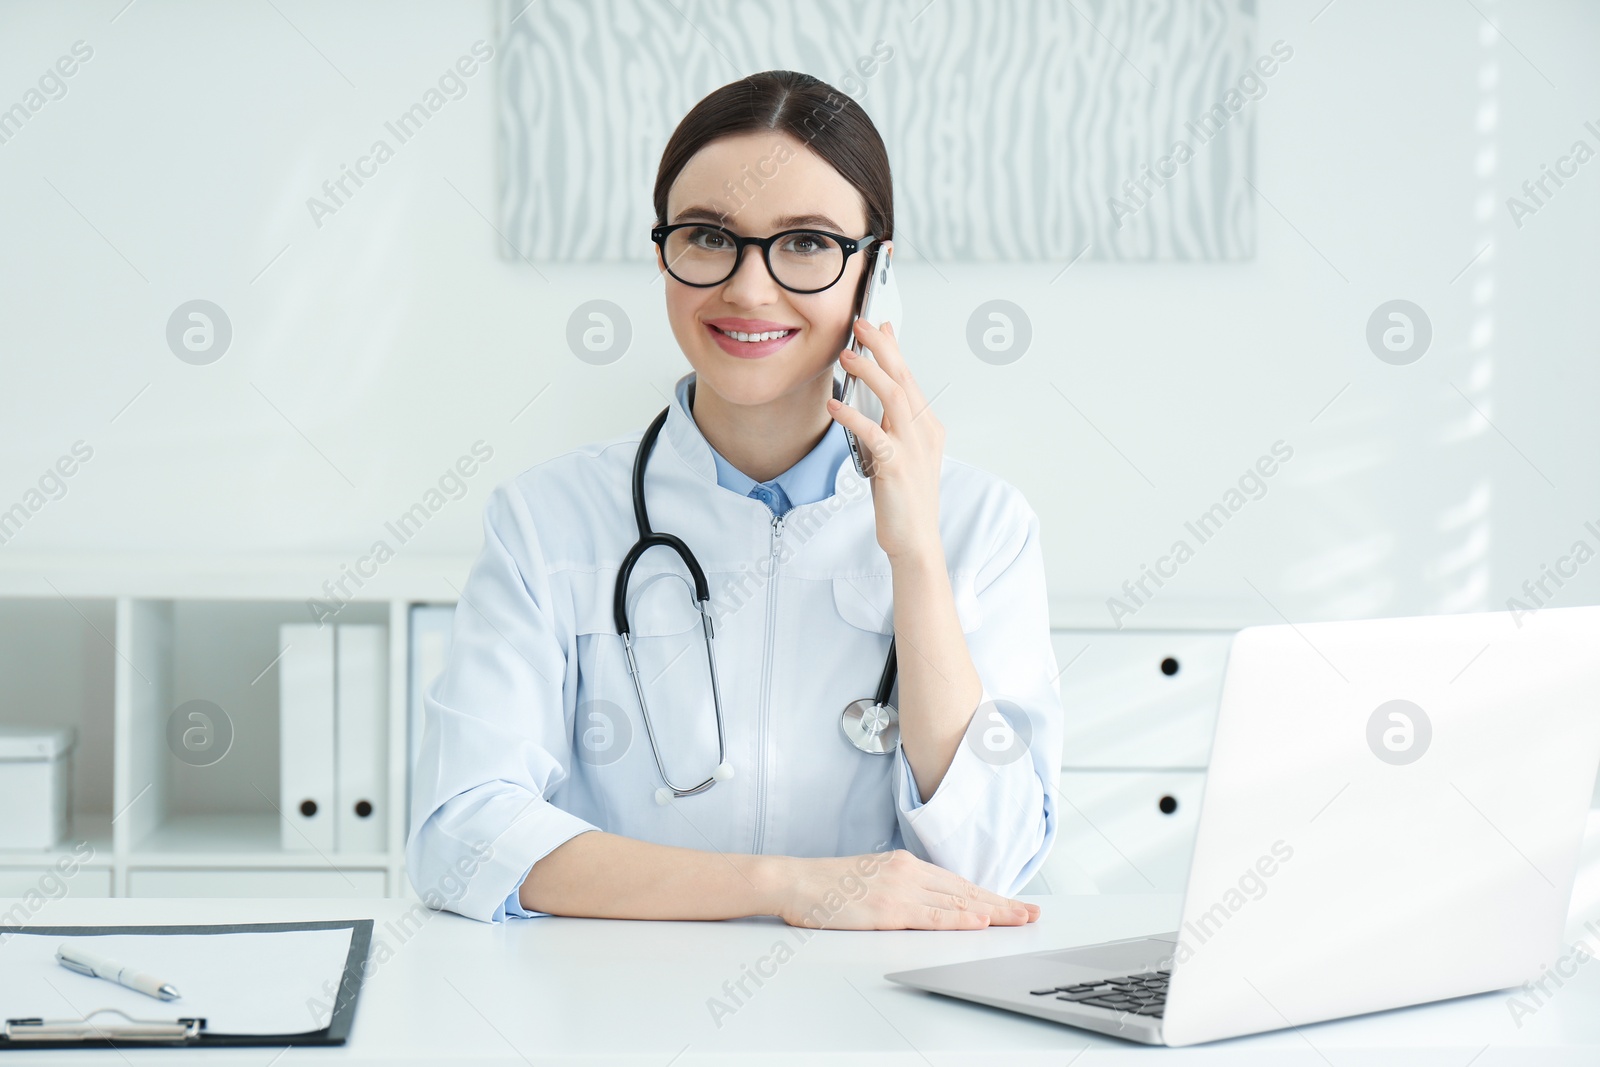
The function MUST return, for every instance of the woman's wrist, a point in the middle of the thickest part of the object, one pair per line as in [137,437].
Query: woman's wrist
[773,880]
[927,556]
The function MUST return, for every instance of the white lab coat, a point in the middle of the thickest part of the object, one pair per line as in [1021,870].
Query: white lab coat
[533,733]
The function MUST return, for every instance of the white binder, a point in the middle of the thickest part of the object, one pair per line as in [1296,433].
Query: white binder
[306,737]
[361,782]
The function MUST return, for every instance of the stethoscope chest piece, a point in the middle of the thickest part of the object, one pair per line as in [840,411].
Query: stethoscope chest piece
[872,726]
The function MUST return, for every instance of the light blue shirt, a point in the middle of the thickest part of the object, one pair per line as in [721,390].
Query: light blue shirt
[808,481]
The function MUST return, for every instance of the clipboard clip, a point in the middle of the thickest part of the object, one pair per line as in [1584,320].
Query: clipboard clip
[87,1029]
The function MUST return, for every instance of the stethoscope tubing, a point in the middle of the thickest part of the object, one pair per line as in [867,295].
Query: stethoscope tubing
[702,594]
[649,539]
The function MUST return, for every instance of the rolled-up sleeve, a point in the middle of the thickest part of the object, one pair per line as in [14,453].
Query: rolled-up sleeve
[495,738]
[994,816]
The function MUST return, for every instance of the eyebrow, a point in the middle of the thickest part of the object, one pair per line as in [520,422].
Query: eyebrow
[787,222]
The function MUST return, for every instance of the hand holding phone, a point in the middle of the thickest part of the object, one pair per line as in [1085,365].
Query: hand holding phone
[880,303]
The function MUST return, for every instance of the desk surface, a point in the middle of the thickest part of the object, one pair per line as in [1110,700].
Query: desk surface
[553,990]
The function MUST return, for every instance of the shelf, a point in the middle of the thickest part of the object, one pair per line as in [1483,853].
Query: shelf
[220,577]
[94,828]
[246,839]
[127,651]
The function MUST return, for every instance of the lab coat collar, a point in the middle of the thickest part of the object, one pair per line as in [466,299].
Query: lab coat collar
[686,439]
[681,432]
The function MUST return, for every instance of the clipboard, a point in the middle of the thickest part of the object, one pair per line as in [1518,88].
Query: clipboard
[114,1028]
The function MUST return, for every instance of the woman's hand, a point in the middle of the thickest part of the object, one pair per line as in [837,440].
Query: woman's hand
[905,452]
[889,891]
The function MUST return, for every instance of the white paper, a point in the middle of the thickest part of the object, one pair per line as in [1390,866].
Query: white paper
[262,982]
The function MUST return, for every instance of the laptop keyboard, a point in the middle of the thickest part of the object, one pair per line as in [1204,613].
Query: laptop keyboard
[1136,994]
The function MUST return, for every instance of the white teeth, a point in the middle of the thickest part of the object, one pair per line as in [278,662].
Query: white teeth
[770,335]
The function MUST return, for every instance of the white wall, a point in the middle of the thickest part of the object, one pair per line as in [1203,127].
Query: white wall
[392,338]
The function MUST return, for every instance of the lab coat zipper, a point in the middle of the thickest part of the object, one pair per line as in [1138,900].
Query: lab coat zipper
[766,679]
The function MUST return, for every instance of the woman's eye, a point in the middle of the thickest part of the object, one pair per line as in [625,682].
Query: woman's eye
[705,238]
[805,244]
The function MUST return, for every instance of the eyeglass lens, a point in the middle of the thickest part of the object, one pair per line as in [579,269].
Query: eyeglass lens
[705,255]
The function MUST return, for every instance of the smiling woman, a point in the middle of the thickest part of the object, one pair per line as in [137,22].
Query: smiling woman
[581,689]
[735,161]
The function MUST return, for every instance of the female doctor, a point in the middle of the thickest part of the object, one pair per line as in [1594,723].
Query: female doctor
[687,753]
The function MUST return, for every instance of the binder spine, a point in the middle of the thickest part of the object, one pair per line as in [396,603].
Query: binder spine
[361,785]
[306,738]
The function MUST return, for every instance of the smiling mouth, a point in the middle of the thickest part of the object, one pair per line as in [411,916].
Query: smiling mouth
[751,338]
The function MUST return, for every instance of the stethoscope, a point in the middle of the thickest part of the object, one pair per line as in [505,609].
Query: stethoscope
[870,724]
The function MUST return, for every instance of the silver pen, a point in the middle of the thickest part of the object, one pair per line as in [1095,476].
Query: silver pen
[87,963]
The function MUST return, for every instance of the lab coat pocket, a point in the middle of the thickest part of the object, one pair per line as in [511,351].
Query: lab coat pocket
[663,624]
[659,603]
[866,601]
[669,648]
[665,629]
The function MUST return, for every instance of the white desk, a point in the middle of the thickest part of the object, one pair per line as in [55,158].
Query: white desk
[554,990]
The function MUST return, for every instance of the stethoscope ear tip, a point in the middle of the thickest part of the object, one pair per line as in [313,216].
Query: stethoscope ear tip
[663,796]
[723,772]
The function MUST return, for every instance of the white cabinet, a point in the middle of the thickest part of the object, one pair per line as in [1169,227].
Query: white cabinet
[1139,699]
[154,814]
[1126,831]
[263,882]
[1140,709]
[38,885]
[175,780]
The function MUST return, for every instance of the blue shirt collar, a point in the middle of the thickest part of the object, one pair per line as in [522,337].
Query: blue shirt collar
[808,481]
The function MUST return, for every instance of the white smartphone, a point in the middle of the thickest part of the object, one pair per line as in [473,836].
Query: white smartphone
[880,303]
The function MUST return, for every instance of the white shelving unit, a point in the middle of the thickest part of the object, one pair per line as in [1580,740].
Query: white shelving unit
[114,647]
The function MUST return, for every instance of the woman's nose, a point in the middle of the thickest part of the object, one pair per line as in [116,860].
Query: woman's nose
[751,284]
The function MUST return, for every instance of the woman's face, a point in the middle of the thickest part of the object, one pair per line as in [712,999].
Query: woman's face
[757,184]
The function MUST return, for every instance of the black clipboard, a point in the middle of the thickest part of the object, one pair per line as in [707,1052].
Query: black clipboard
[184,1032]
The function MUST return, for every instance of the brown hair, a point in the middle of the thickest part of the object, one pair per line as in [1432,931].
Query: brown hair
[827,121]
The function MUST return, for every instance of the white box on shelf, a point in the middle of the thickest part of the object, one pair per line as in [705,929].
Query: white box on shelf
[363,695]
[306,737]
[35,786]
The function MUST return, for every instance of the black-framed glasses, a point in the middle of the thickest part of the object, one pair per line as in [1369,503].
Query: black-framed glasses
[802,261]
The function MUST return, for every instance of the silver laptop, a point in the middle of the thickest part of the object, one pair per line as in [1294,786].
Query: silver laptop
[1393,814]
